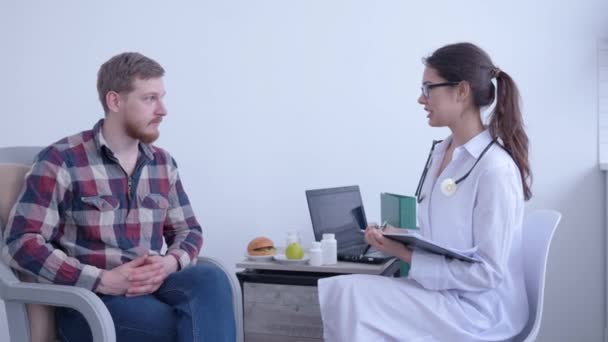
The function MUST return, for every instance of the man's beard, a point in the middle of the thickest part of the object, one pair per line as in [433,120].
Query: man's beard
[134,131]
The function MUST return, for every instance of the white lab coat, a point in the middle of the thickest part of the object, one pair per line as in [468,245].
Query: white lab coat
[443,299]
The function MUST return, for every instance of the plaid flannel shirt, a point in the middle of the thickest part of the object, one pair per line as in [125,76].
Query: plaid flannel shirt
[79,212]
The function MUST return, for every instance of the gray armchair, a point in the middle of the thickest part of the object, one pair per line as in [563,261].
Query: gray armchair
[29,305]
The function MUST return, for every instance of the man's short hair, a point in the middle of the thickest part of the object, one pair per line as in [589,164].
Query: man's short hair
[119,72]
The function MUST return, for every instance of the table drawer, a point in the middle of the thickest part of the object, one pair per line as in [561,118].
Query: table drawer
[286,313]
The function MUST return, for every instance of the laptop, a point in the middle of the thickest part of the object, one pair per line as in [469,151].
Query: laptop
[340,211]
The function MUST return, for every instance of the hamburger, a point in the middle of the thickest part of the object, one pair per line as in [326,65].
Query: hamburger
[261,246]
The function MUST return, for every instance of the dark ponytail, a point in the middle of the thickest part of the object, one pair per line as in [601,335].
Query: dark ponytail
[506,123]
[467,62]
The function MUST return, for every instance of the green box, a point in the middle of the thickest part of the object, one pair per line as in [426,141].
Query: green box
[399,211]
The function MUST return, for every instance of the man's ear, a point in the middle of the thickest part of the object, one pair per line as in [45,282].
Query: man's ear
[113,100]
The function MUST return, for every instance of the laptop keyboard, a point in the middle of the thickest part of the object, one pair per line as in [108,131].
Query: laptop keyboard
[355,254]
[354,250]
[361,259]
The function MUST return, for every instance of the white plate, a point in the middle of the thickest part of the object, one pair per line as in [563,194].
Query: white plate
[259,257]
[282,259]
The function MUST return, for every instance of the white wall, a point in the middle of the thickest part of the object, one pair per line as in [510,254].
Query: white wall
[602,91]
[269,98]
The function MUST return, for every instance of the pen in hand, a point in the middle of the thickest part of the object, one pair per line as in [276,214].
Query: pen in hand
[384,225]
[381,227]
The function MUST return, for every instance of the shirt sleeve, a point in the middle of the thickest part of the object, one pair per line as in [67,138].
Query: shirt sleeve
[497,213]
[182,231]
[35,221]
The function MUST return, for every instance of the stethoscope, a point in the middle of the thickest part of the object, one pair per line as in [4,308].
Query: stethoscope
[448,185]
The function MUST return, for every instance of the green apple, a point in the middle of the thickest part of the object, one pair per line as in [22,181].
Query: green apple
[294,251]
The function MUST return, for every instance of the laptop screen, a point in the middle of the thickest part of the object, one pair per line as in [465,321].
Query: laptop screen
[339,211]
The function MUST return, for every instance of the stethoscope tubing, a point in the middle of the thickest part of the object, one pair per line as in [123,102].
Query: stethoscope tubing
[427,166]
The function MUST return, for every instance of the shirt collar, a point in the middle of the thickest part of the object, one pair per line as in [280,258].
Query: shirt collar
[102,145]
[474,146]
[443,145]
[478,143]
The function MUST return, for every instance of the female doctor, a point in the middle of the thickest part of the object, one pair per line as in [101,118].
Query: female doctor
[471,197]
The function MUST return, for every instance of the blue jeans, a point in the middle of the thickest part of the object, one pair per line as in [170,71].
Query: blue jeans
[194,304]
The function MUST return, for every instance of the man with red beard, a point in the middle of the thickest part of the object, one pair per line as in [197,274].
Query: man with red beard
[96,208]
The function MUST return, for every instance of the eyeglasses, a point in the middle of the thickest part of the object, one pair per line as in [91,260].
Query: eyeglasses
[426,88]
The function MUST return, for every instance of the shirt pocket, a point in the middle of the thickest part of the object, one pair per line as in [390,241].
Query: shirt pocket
[94,218]
[101,203]
[151,215]
[154,202]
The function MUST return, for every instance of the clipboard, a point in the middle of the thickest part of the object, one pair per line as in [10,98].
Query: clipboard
[416,241]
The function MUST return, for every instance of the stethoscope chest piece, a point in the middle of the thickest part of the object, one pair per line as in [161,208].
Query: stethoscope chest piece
[448,187]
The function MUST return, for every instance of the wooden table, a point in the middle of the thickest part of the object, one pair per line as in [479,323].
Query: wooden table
[280,302]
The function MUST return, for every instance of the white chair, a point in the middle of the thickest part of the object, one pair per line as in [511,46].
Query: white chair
[36,322]
[538,229]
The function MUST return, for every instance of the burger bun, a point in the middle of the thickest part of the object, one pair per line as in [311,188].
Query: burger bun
[261,246]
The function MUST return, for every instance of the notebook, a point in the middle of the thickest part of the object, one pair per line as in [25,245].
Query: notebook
[340,211]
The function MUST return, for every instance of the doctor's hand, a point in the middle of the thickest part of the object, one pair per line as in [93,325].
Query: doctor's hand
[150,276]
[374,237]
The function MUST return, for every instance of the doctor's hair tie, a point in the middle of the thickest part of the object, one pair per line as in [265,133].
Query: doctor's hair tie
[496,72]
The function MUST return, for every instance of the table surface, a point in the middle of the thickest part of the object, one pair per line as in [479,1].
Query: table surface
[341,267]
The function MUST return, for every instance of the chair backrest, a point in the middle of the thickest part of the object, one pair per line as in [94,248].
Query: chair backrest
[19,154]
[15,162]
[538,229]
[11,181]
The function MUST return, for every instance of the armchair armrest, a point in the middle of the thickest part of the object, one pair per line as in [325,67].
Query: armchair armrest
[237,297]
[82,300]
[12,290]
